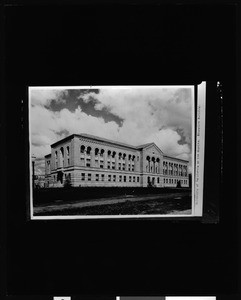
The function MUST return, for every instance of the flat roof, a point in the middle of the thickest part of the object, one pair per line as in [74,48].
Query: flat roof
[97,138]
[175,158]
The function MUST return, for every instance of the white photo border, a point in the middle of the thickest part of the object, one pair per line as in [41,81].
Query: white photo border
[196,209]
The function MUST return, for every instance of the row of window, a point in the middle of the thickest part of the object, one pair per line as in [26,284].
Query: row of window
[112,178]
[100,152]
[110,165]
[174,181]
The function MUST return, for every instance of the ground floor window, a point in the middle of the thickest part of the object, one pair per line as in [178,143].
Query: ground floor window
[82,176]
[138,179]
[97,177]
[102,177]
[114,177]
[120,178]
[158,180]
[109,177]
[129,178]
[89,177]
[134,179]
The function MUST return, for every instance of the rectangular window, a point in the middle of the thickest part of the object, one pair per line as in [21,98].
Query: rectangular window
[97,177]
[134,179]
[123,167]
[102,177]
[129,178]
[113,165]
[82,176]
[138,179]
[133,169]
[124,178]
[114,177]
[109,177]
[158,180]
[101,165]
[120,178]
[169,180]
[89,177]
[108,165]
[88,162]
[119,166]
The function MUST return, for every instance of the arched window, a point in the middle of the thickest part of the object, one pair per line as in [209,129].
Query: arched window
[56,159]
[96,151]
[88,150]
[67,149]
[113,154]
[109,153]
[102,152]
[120,155]
[82,149]
[61,153]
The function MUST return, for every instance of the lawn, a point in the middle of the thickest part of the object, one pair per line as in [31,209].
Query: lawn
[149,204]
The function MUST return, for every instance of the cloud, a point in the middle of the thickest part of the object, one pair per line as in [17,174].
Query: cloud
[162,116]
[44,97]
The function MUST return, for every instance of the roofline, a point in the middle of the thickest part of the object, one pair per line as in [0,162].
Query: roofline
[63,140]
[167,156]
[94,138]
[83,135]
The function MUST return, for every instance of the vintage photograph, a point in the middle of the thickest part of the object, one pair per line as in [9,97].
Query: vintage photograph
[111,151]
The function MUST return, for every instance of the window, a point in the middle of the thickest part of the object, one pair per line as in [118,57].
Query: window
[114,177]
[169,180]
[89,177]
[109,177]
[101,165]
[134,179]
[102,177]
[120,178]
[124,178]
[88,162]
[158,180]
[119,166]
[97,177]
[138,179]
[133,168]
[108,165]
[67,155]
[123,166]
[113,165]
[129,178]
[82,176]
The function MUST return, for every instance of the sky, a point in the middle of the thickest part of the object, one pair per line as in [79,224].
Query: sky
[132,115]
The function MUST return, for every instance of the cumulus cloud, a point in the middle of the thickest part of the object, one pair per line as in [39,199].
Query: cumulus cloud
[44,97]
[149,115]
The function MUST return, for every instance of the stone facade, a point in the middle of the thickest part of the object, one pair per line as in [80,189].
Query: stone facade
[86,160]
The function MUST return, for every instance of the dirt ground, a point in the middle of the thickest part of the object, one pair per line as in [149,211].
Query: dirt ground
[173,203]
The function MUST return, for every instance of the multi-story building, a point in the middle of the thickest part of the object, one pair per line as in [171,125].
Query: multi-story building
[86,160]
